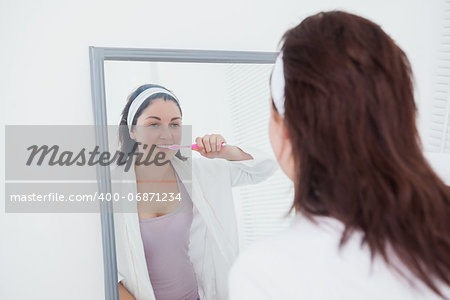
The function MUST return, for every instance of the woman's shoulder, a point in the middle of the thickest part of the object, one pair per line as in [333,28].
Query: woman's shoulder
[306,257]
[302,241]
[279,264]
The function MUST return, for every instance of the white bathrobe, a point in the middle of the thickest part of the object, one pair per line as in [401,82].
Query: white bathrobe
[213,244]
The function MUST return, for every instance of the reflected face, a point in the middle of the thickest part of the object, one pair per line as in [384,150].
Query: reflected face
[159,124]
[281,143]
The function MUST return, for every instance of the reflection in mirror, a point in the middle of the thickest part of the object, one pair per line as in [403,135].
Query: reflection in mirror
[219,193]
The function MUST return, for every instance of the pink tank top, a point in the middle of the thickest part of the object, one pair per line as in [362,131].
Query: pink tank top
[166,246]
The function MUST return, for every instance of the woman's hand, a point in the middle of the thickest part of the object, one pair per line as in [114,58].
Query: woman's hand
[210,146]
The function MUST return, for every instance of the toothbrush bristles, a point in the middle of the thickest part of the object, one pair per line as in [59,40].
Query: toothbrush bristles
[174,147]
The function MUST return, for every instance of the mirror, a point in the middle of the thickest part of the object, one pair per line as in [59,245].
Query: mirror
[228,200]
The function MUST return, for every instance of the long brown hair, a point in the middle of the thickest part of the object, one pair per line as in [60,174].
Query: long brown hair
[351,116]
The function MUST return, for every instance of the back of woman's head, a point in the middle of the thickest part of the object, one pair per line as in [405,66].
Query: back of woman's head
[351,118]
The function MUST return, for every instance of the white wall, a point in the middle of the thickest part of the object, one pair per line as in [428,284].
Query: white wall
[44,75]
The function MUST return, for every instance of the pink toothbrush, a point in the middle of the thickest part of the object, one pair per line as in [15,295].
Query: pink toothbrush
[176,147]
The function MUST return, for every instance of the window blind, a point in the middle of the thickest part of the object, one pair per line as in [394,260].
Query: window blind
[261,207]
[439,135]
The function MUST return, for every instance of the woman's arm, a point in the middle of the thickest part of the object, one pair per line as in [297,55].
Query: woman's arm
[234,153]
[245,168]
[124,294]
[252,171]
[210,146]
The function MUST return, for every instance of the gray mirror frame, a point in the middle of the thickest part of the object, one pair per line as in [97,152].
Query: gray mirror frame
[97,56]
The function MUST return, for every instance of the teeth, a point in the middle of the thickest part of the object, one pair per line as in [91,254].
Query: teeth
[164,146]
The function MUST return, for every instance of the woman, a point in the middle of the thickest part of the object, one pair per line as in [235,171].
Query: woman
[372,218]
[180,243]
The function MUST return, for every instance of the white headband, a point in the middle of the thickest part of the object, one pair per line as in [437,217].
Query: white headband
[277,84]
[137,102]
